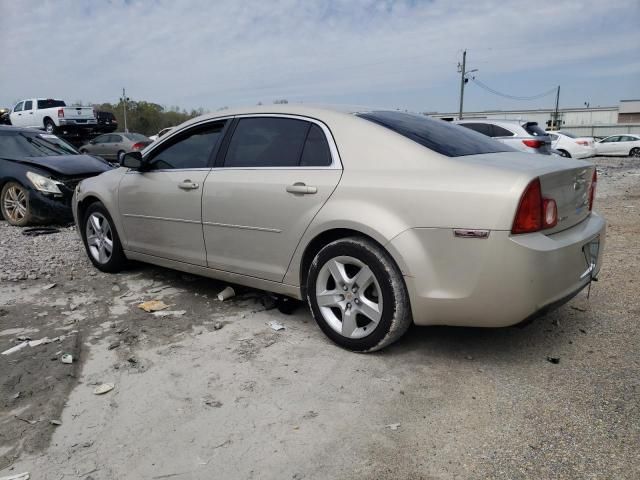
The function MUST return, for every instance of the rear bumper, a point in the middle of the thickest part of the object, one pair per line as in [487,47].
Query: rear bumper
[584,152]
[498,281]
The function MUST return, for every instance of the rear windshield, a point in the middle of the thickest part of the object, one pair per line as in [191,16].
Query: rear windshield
[137,137]
[437,135]
[50,103]
[532,128]
[568,134]
[16,145]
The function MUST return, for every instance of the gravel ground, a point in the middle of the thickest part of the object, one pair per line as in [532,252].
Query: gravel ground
[210,391]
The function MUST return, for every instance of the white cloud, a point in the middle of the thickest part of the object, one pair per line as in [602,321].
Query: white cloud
[214,53]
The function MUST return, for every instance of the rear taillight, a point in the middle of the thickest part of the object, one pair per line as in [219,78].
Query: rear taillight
[534,212]
[592,189]
[61,113]
[533,143]
[138,146]
[584,143]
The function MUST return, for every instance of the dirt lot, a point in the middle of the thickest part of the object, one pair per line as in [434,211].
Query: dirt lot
[211,391]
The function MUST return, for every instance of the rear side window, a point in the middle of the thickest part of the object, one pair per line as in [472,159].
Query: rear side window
[532,128]
[28,105]
[190,150]
[267,142]
[50,103]
[498,131]
[482,128]
[437,135]
[316,151]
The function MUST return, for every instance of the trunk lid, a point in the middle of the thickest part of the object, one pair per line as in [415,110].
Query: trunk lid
[570,189]
[78,113]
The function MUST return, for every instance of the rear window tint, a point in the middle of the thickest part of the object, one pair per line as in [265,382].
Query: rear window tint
[50,103]
[136,137]
[437,135]
[482,128]
[532,128]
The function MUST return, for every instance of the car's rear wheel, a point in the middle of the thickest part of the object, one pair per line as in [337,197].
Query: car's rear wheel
[101,239]
[120,155]
[564,153]
[357,295]
[14,202]
[635,152]
[49,126]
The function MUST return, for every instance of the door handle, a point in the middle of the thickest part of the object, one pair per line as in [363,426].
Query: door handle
[300,187]
[188,185]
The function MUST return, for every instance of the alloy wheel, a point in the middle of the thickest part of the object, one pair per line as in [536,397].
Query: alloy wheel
[99,237]
[15,203]
[349,297]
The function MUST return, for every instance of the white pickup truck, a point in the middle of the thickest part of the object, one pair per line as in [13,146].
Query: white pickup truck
[52,115]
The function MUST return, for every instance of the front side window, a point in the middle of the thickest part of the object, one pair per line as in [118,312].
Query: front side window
[267,142]
[115,139]
[18,107]
[101,139]
[611,140]
[437,135]
[189,150]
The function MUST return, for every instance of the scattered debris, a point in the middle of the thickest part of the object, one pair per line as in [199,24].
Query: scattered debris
[66,358]
[153,306]
[42,341]
[18,347]
[114,345]
[19,476]
[30,422]
[580,309]
[49,287]
[277,326]
[17,396]
[554,360]
[213,403]
[37,231]
[104,388]
[583,330]
[132,360]
[226,294]
[55,422]
[167,313]
[393,426]
[218,325]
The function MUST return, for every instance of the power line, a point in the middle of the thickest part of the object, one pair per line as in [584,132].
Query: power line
[512,97]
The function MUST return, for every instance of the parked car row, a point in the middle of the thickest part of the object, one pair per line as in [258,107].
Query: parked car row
[114,145]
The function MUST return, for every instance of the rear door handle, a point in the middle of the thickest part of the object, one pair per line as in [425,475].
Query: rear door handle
[188,185]
[300,187]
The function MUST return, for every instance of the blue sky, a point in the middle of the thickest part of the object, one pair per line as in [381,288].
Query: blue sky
[397,54]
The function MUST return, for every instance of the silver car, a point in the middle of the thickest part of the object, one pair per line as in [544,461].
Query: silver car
[377,219]
[112,146]
[524,136]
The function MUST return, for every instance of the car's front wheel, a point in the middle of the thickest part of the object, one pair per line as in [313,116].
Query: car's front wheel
[101,239]
[635,152]
[357,295]
[14,202]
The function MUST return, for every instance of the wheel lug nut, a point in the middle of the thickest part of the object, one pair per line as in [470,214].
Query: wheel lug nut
[356,301]
[354,289]
[345,288]
[348,305]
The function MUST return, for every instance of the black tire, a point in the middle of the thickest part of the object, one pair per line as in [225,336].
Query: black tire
[119,156]
[564,154]
[635,152]
[49,126]
[7,201]
[395,317]
[117,260]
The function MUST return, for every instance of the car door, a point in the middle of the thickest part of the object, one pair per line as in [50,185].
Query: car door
[16,116]
[161,206]
[96,146]
[115,145]
[272,176]
[28,114]
[625,145]
[607,146]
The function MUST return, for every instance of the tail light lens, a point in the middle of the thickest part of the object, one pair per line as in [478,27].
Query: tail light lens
[584,143]
[592,189]
[138,146]
[533,143]
[534,212]
[61,113]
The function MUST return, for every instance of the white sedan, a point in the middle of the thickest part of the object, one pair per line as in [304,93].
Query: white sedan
[619,145]
[572,146]
[376,219]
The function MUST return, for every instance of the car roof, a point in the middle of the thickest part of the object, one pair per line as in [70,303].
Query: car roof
[492,120]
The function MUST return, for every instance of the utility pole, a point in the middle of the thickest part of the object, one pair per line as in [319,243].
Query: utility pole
[124,107]
[557,127]
[462,81]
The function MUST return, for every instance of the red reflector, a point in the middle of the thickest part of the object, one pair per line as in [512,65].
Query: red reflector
[60,112]
[550,213]
[533,143]
[592,189]
[529,214]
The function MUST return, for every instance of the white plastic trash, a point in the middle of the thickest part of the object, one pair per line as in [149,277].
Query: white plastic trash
[226,294]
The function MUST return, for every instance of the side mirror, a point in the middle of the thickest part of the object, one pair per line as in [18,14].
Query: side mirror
[132,160]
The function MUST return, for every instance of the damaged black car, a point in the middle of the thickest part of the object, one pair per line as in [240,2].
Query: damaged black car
[38,175]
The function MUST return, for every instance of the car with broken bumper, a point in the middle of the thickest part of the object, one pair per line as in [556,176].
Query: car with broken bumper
[38,174]
[377,219]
